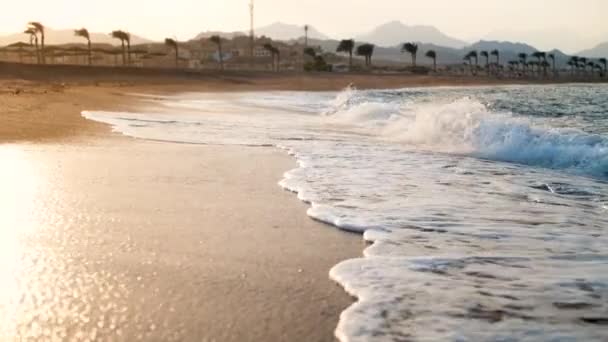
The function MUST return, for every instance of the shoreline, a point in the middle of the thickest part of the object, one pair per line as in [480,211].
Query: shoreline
[43,106]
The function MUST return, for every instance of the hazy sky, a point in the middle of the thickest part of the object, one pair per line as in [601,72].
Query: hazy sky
[564,22]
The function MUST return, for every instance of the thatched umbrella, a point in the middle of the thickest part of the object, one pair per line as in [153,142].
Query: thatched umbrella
[110,51]
[19,47]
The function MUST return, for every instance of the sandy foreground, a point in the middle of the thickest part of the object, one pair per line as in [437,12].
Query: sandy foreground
[110,238]
[118,239]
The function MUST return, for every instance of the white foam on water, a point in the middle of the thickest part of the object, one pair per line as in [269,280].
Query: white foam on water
[484,225]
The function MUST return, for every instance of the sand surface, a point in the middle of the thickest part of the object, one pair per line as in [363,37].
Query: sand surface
[110,238]
[121,239]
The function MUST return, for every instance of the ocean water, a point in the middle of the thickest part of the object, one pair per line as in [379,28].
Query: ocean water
[485,209]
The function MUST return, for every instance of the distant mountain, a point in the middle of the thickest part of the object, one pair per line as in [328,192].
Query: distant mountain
[597,52]
[282,31]
[502,46]
[395,33]
[58,37]
[225,35]
[546,39]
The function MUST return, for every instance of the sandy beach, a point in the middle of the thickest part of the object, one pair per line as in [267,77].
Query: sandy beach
[95,252]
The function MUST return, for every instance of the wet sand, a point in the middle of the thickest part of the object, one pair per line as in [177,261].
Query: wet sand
[110,238]
[121,239]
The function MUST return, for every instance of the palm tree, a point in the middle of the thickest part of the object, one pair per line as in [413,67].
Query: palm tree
[600,69]
[603,62]
[172,44]
[486,55]
[33,40]
[128,40]
[275,53]
[412,49]
[432,55]
[39,29]
[306,28]
[523,57]
[123,37]
[541,56]
[347,46]
[496,54]
[84,33]
[591,65]
[582,64]
[551,56]
[513,65]
[218,41]
[471,55]
[367,51]
[545,66]
[573,63]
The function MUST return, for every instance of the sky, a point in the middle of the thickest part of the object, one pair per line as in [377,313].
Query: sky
[548,23]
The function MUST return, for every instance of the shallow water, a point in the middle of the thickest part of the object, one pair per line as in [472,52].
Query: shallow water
[487,207]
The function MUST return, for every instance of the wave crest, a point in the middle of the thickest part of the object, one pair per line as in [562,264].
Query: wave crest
[467,126]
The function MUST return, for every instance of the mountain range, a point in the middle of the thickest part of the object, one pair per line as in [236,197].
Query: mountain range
[393,33]
[599,51]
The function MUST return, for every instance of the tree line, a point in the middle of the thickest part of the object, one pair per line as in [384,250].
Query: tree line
[537,63]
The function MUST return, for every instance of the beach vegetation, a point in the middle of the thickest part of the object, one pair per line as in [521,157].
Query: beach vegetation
[412,49]
[33,41]
[39,29]
[366,51]
[84,33]
[347,46]
[217,40]
[174,45]
[469,58]
[276,55]
[432,55]
[125,41]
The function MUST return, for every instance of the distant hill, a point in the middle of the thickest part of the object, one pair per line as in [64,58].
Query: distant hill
[59,37]
[547,38]
[597,52]
[282,31]
[276,31]
[490,45]
[395,33]
[225,35]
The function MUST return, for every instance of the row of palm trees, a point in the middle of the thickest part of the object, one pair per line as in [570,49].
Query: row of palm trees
[544,61]
[364,50]
[489,65]
[367,51]
[541,66]
[37,34]
[580,64]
